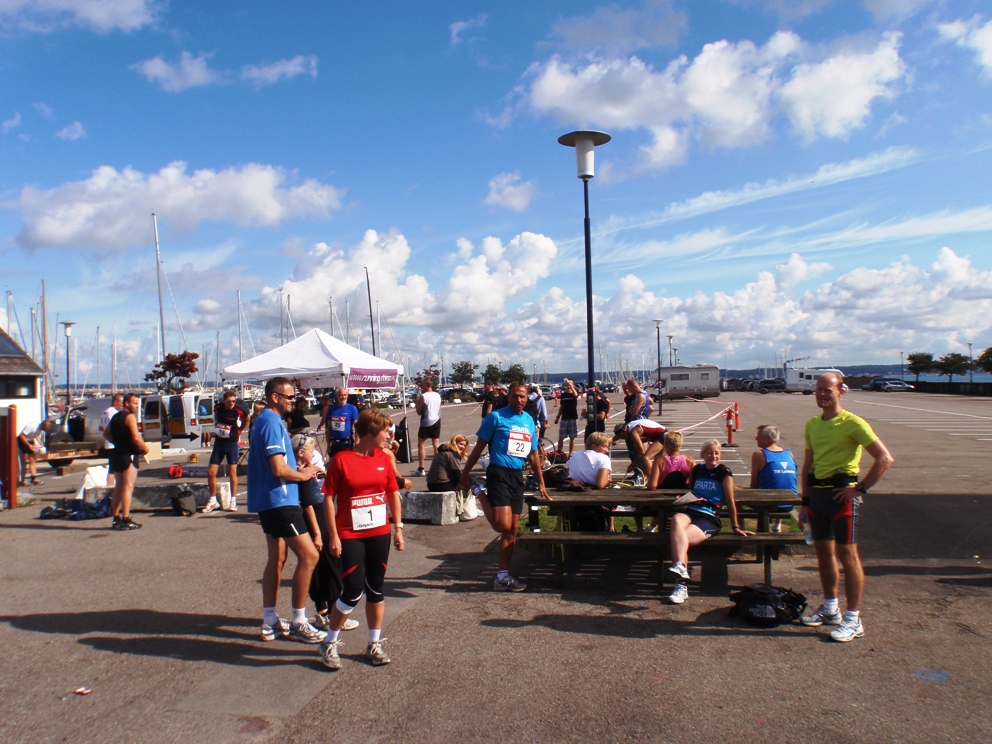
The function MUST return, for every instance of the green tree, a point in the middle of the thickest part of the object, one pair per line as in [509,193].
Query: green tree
[493,374]
[952,364]
[171,373]
[463,373]
[432,373]
[514,373]
[920,362]
[984,360]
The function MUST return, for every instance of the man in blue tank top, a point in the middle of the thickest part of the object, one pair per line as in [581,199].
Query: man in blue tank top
[772,466]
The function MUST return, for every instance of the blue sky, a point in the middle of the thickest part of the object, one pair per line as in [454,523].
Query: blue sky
[786,178]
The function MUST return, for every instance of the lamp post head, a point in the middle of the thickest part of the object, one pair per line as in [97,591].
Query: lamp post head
[584,143]
[68,327]
[658,323]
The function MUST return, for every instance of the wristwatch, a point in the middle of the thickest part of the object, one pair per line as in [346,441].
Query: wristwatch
[861,487]
[399,525]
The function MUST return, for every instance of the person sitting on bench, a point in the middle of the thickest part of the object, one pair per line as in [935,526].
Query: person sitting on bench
[446,469]
[712,485]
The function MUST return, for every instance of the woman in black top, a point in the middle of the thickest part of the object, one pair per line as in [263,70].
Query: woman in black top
[123,461]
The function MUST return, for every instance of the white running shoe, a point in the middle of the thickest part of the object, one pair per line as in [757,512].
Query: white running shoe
[271,632]
[305,633]
[509,584]
[350,624]
[821,617]
[679,594]
[848,630]
[329,654]
[212,505]
[679,568]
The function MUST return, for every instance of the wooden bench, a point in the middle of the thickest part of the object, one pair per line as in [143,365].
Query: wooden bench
[715,553]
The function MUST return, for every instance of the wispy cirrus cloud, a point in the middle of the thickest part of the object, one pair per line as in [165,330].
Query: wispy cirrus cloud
[71,132]
[284,69]
[459,27]
[43,16]
[507,190]
[175,77]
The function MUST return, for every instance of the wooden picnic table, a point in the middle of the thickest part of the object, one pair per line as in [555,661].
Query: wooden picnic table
[760,504]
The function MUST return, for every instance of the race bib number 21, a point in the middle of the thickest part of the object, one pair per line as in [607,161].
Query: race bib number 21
[518,445]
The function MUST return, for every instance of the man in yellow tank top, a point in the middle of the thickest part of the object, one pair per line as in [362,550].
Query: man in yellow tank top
[831,497]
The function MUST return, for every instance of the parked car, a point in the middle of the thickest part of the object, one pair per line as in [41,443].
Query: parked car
[878,383]
[771,386]
[463,394]
[896,386]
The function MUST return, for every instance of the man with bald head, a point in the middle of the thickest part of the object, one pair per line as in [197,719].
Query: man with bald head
[832,495]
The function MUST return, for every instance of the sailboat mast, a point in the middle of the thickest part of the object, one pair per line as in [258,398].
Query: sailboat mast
[113,364]
[44,346]
[158,274]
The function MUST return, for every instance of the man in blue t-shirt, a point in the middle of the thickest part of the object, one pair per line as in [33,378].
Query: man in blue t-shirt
[340,420]
[512,441]
[274,495]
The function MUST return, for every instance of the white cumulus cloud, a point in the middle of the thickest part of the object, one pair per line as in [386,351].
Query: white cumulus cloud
[727,96]
[284,69]
[188,72]
[974,37]
[507,190]
[98,15]
[110,208]
[71,132]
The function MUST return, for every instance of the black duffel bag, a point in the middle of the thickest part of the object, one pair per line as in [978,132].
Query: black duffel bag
[184,502]
[766,606]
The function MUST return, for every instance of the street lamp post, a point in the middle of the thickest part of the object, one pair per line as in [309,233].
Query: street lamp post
[585,143]
[68,346]
[971,366]
[676,357]
[670,358]
[657,328]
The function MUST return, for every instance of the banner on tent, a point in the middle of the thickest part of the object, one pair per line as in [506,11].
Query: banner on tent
[371,378]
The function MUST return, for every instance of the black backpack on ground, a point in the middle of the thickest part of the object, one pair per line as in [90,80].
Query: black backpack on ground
[184,502]
[766,606]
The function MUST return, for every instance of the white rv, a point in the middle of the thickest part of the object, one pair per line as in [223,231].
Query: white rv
[804,379]
[699,381]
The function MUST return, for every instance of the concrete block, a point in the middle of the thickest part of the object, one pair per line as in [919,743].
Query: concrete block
[439,507]
[159,495]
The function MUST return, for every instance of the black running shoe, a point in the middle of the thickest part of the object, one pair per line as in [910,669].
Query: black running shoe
[128,524]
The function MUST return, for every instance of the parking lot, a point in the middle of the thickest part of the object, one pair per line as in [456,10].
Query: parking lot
[162,623]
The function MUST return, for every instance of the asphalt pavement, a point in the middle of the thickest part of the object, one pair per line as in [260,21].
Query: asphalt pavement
[162,623]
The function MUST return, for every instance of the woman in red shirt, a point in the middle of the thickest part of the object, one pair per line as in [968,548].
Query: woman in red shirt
[359,485]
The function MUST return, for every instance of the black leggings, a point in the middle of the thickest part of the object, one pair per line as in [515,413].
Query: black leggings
[325,582]
[363,568]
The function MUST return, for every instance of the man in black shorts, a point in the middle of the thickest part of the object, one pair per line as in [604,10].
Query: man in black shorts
[229,421]
[123,461]
[512,440]
[428,407]
[274,494]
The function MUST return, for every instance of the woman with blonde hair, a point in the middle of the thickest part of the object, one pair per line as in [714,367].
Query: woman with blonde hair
[712,486]
[446,468]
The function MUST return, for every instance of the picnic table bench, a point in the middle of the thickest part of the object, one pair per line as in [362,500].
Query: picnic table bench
[760,504]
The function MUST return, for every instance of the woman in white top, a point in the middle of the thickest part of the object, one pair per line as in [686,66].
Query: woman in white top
[592,465]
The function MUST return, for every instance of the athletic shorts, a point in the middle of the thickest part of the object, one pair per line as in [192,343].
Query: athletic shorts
[505,487]
[568,428]
[704,522]
[340,445]
[831,520]
[283,521]
[430,432]
[25,448]
[363,568]
[119,462]
[225,448]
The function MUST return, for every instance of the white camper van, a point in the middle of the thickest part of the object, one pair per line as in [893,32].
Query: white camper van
[698,381]
[804,379]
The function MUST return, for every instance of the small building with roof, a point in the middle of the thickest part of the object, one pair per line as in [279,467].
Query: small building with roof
[21,382]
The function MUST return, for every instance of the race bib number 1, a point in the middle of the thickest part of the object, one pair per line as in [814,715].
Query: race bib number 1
[370,514]
[518,445]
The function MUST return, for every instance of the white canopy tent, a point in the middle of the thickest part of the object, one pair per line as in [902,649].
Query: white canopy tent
[317,359]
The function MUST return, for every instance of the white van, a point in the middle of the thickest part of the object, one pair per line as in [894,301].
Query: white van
[803,379]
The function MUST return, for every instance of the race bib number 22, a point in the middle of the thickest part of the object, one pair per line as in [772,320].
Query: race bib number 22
[518,444]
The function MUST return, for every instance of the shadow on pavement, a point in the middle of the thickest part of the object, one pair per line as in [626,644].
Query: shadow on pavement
[223,639]
[712,623]
[895,526]
[871,570]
